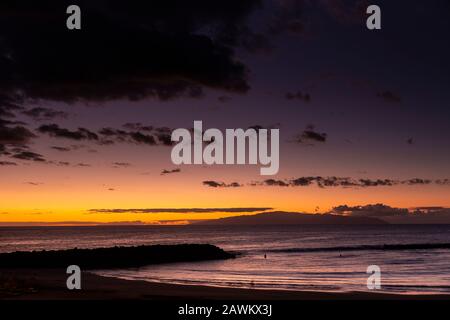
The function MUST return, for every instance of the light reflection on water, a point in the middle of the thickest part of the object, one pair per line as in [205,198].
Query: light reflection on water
[406,271]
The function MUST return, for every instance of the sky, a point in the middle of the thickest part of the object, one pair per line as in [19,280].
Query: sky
[86,115]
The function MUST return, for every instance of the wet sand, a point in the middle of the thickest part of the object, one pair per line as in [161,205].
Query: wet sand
[50,284]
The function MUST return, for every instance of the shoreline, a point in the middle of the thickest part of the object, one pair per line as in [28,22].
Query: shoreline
[50,284]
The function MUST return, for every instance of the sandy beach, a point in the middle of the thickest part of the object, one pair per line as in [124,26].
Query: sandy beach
[50,284]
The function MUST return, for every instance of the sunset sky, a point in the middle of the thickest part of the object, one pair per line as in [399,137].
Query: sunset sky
[86,115]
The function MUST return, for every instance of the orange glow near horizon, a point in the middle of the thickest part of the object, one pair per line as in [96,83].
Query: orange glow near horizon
[71,202]
[48,193]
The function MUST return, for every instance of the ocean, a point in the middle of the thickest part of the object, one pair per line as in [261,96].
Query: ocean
[412,258]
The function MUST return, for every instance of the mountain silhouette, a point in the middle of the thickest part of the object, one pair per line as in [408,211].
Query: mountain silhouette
[292,218]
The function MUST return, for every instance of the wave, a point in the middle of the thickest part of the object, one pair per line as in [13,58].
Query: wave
[382,247]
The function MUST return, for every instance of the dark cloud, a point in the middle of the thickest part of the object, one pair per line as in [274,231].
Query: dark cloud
[137,49]
[164,136]
[420,215]
[110,132]
[273,182]
[389,96]
[139,134]
[29,156]
[55,131]
[121,164]
[15,135]
[7,163]
[41,114]
[321,182]
[150,135]
[303,181]
[61,149]
[10,104]
[417,181]
[346,182]
[179,210]
[376,210]
[443,182]
[376,182]
[164,172]
[5,112]
[309,135]
[213,184]
[3,150]
[117,135]
[71,148]
[11,122]
[256,127]
[142,138]
[34,183]
[306,97]
[137,126]
[83,165]
[65,164]
[218,184]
